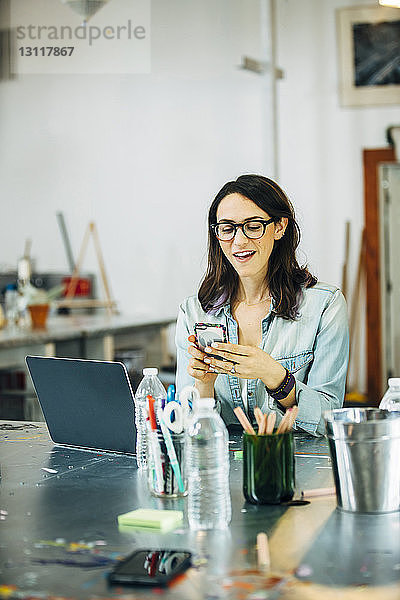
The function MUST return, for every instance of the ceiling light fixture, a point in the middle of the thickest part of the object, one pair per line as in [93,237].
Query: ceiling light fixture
[85,8]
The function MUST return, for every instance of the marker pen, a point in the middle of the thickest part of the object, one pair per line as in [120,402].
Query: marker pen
[155,447]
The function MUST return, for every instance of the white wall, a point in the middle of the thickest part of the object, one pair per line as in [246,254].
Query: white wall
[142,155]
[320,142]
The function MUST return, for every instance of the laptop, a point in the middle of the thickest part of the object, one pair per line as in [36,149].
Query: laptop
[87,404]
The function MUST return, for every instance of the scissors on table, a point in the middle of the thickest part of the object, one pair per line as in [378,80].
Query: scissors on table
[176,414]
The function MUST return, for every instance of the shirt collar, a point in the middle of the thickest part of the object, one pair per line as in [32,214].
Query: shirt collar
[226,309]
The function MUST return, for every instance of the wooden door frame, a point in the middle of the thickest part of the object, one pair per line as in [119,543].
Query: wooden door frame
[371,160]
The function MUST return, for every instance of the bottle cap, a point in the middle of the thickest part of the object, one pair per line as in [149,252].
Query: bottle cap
[394,381]
[150,371]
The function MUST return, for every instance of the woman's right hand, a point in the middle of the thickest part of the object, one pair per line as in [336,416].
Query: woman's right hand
[198,369]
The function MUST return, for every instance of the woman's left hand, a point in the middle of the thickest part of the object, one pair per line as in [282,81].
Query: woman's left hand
[248,362]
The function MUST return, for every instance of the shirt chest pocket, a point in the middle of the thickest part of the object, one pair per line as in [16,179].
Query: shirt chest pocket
[298,363]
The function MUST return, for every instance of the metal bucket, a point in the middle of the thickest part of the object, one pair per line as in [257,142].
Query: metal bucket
[365,448]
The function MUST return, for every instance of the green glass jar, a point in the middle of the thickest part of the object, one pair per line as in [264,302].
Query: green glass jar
[268,468]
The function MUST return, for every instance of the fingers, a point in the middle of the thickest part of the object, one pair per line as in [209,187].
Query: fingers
[229,351]
[198,364]
[196,353]
[221,366]
[198,369]
[203,362]
[232,348]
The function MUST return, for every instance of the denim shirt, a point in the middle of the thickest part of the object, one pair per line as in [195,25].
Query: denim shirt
[314,347]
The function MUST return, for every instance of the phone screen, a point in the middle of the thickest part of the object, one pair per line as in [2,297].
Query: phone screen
[206,333]
[150,567]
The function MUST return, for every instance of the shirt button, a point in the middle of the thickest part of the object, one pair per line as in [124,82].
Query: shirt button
[250,394]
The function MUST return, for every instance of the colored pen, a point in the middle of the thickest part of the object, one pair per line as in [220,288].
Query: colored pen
[170,395]
[171,392]
[155,447]
[171,451]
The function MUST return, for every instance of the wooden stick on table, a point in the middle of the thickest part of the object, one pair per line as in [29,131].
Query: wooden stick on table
[318,492]
[263,556]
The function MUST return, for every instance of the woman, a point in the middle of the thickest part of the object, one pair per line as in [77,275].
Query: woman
[288,333]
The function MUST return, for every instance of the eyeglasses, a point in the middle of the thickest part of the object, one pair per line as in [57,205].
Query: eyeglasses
[252,229]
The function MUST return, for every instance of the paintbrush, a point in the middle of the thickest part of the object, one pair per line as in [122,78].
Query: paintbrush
[283,425]
[245,423]
[263,427]
[259,417]
[270,423]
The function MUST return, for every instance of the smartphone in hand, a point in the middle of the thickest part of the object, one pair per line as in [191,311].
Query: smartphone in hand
[207,333]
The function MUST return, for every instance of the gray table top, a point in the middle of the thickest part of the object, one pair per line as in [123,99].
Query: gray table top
[59,533]
[63,327]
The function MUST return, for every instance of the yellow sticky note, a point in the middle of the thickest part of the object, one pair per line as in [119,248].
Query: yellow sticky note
[148,518]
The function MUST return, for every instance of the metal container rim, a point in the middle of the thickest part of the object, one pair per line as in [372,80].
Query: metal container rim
[360,415]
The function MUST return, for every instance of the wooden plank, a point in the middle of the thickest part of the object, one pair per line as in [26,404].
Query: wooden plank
[84,303]
[354,393]
[69,301]
[371,160]
[346,260]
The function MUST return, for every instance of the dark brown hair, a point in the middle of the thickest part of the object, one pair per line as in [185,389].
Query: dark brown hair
[285,277]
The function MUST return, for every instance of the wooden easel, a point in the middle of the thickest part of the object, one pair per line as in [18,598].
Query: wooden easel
[69,301]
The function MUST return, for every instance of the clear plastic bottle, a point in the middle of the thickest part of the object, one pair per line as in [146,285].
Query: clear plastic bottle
[207,468]
[150,384]
[391,399]
[11,304]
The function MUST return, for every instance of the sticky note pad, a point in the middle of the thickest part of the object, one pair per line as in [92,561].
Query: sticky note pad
[148,518]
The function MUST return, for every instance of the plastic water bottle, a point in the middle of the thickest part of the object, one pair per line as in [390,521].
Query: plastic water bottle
[11,304]
[391,399]
[207,468]
[150,384]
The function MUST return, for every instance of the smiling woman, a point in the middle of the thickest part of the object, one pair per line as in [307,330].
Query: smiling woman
[288,333]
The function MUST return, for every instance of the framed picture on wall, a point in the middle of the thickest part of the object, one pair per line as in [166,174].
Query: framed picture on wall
[369,55]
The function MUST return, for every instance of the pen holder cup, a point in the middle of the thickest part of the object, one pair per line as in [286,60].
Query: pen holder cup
[166,478]
[268,468]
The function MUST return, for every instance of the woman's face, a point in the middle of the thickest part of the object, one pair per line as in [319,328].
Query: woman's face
[248,257]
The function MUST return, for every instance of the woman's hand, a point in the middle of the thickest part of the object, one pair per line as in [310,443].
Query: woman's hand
[248,362]
[204,375]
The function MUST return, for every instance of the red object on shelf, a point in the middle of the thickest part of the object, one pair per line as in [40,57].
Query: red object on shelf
[152,414]
[83,286]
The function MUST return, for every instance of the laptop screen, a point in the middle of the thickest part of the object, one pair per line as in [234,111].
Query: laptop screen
[86,403]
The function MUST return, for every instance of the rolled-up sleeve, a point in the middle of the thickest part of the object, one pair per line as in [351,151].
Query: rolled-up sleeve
[324,387]
[182,356]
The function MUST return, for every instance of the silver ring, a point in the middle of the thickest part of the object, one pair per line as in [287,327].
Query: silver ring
[233,369]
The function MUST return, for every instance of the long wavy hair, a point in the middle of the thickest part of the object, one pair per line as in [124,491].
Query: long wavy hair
[285,277]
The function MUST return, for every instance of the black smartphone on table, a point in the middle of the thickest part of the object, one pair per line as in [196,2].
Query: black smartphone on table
[150,567]
[207,333]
